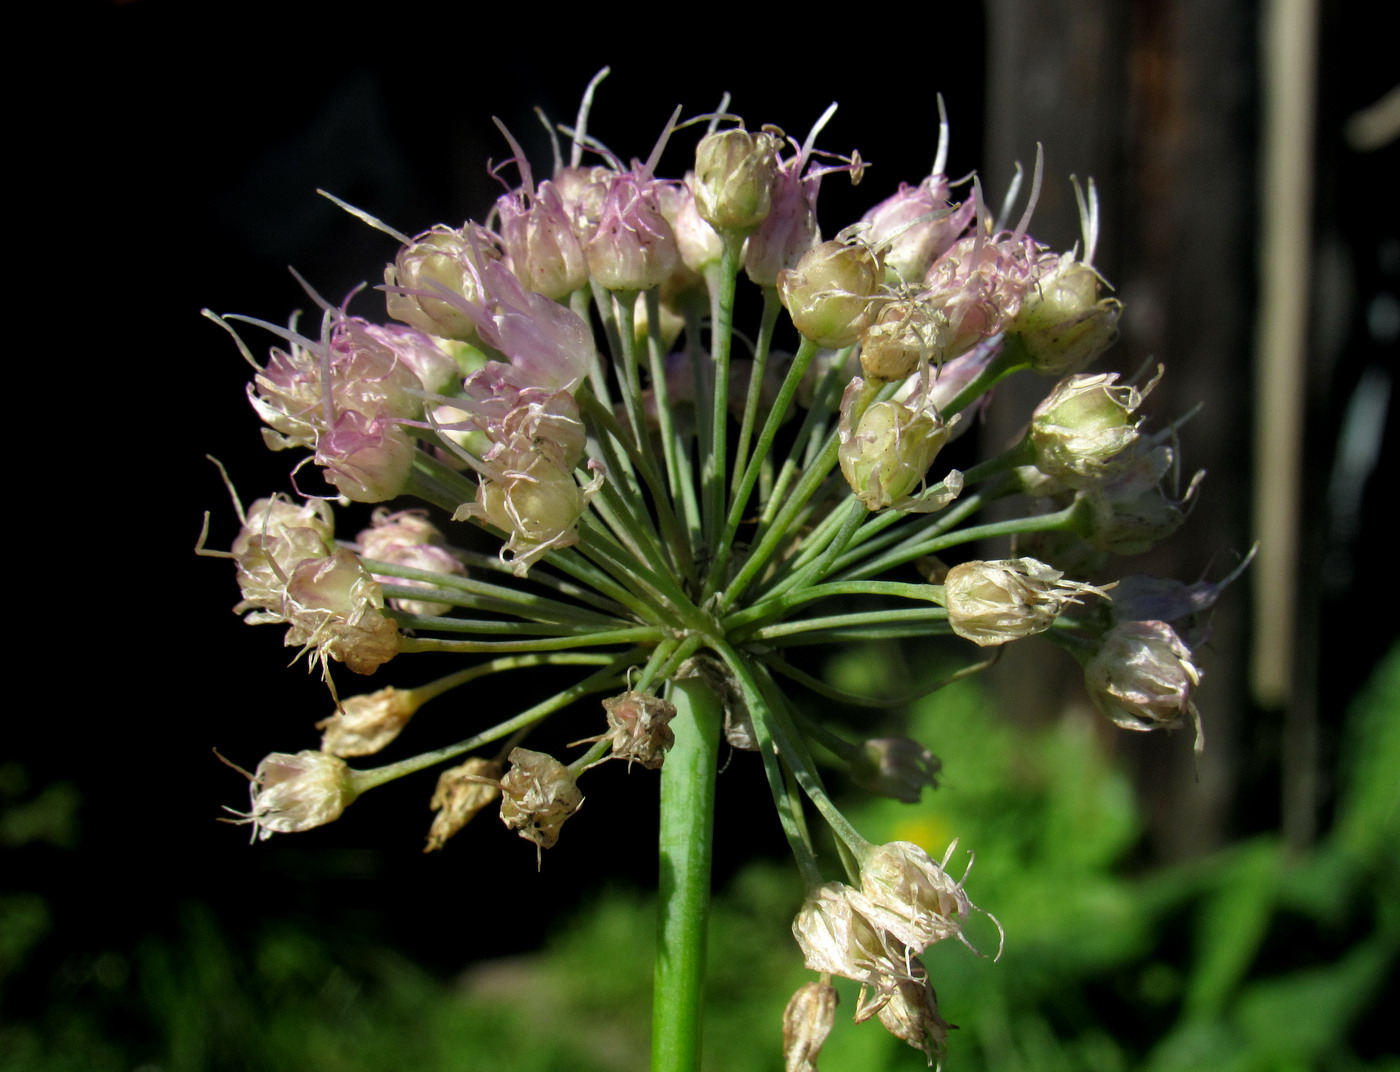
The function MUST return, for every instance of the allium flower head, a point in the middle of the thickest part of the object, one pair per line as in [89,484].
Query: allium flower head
[363,725]
[408,538]
[1063,324]
[335,606]
[639,728]
[885,455]
[1132,511]
[911,1014]
[830,293]
[436,266]
[896,767]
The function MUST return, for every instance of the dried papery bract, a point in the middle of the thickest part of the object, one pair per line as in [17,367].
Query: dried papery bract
[913,897]
[537,794]
[911,1014]
[462,791]
[807,1021]
[363,725]
[639,728]
[838,938]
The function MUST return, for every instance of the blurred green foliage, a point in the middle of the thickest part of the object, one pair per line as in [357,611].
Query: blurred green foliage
[1251,961]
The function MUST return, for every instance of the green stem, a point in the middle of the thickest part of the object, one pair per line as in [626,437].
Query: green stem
[687,830]
[721,279]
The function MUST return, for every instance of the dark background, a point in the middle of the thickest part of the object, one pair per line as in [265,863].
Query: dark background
[183,174]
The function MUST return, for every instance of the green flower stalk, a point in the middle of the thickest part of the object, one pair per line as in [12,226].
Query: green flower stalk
[671,502]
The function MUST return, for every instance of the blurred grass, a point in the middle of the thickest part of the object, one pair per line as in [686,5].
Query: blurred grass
[1251,961]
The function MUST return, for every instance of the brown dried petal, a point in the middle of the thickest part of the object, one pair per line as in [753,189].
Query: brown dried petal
[461,792]
[538,794]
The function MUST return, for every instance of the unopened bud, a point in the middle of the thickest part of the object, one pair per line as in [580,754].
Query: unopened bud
[890,449]
[896,767]
[830,293]
[807,1021]
[1085,424]
[366,724]
[1142,678]
[1062,323]
[996,602]
[734,175]
[461,792]
[436,261]
[537,794]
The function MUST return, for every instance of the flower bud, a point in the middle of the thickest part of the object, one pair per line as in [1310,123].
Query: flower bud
[537,794]
[277,535]
[697,242]
[633,247]
[367,459]
[896,767]
[461,792]
[1142,678]
[426,356]
[363,725]
[979,285]
[438,260]
[807,1021]
[888,452]
[292,793]
[1062,323]
[916,226]
[830,293]
[538,507]
[734,175]
[1082,427]
[538,236]
[996,602]
[408,538]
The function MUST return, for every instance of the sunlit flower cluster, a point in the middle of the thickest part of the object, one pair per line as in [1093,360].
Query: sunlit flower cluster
[608,473]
